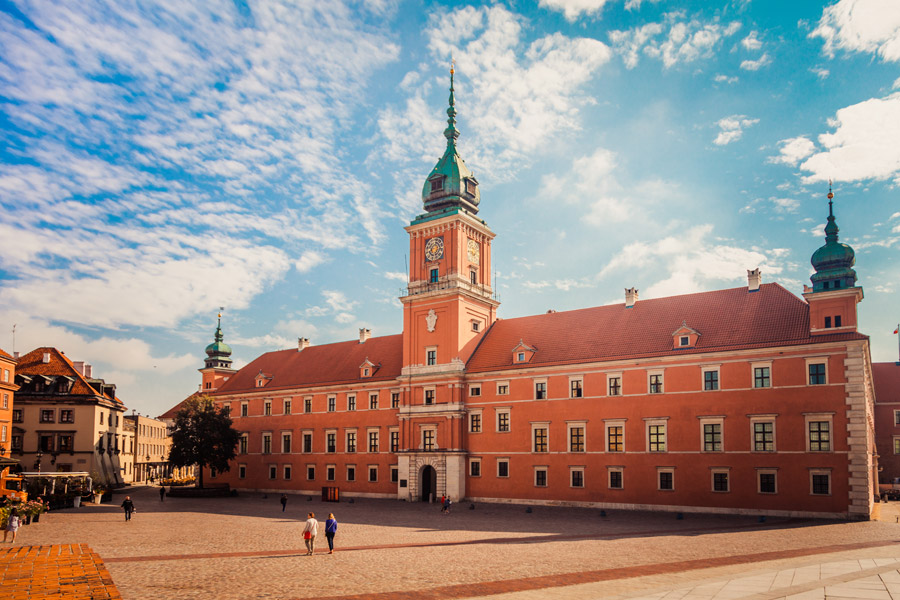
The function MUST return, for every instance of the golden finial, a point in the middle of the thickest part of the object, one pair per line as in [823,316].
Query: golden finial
[452,65]
[830,195]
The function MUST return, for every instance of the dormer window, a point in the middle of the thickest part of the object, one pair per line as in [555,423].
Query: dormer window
[685,337]
[470,186]
[367,369]
[437,184]
[522,353]
[262,379]
[684,341]
[520,357]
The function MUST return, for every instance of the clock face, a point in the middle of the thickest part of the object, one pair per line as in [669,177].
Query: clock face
[474,252]
[434,249]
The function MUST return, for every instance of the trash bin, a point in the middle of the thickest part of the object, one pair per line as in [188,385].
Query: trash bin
[331,494]
[77,501]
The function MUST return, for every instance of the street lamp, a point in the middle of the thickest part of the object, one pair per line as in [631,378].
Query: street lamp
[37,463]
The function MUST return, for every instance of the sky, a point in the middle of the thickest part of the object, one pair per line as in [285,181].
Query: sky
[160,160]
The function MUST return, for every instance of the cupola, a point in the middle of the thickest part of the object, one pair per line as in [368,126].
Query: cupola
[218,354]
[451,184]
[834,261]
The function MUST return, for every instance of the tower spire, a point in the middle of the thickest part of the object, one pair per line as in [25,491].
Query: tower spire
[451,133]
[834,261]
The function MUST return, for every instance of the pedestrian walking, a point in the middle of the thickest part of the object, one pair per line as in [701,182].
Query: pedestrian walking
[446,507]
[283,502]
[330,530]
[12,525]
[443,502]
[310,531]
[128,506]
[162,493]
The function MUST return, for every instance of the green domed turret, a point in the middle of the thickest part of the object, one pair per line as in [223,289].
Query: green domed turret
[218,353]
[451,183]
[834,261]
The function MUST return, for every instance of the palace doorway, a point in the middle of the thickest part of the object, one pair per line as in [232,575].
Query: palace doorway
[429,483]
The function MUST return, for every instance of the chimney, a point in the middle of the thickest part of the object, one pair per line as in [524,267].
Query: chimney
[302,343]
[754,278]
[364,334]
[16,355]
[88,371]
[46,357]
[79,366]
[631,297]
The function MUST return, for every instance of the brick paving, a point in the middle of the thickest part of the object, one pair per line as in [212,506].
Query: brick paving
[245,547]
[67,571]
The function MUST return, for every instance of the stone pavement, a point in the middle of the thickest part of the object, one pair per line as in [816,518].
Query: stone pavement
[70,572]
[245,547]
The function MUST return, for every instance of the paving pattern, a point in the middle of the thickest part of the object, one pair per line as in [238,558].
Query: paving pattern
[70,571]
[246,547]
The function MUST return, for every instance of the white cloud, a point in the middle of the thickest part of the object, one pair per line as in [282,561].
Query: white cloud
[793,150]
[309,260]
[732,128]
[756,65]
[692,261]
[572,9]
[725,79]
[636,4]
[871,26]
[862,146]
[820,72]
[751,42]
[396,276]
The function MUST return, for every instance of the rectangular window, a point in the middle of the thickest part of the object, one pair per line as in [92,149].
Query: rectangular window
[428,439]
[656,384]
[395,400]
[817,374]
[373,401]
[712,437]
[429,396]
[666,480]
[540,477]
[267,443]
[395,441]
[615,438]
[267,407]
[310,472]
[433,276]
[539,440]
[710,380]
[502,467]
[576,438]
[896,445]
[287,407]
[373,441]
[475,422]
[331,442]
[502,389]
[827,322]
[330,472]
[764,436]
[47,415]
[616,479]
[821,484]
[615,386]
[273,472]
[575,389]
[307,405]
[351,441]
[503,420]
[64,441]
[17,415]
[720,481]
[473,277]
[351,403]
[540,390]
[475,467]
[244,409]
[766,482]
[657,437]
[243,444]
[819,436]
[896,417]
[286,443]
[46,443]
[431,357]
[474,390]
[242,471]
[373,474]
[395,474]
[66,415]
[761,377]
[17,442]
[351,473]
[837,320]
[307,443]
[577,477]
[332,404]
[287,472]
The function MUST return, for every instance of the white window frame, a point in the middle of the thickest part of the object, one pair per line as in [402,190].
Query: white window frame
[771,418]
[432,428]
[818,360]
[661,470]
[712,420]
[712,479]
[369,431]
[273,472]
[614,469]
[710,369]
[480,413]
[830,481]
[580,380]
[896,418]
[352,402]
[615,375]
[761,365]
[431,349]
[577,469]
[650,421]
[475,390]
[290,434]
[262,442]
[312,441]
[333,432]
[895,444]
[284,406]
[347,472]
[391,432]
[287,472]
[245,409]
[331,472]
[497,412]
[433,390]
[242,470]
[815,417]
[502,459]
[768,471]
[570,425]
[661,373]
[607,423]
[546,470]
[538,380]
[501,384]
[369,477]
[473,461]
[535,425]
[347,433]
[308,467]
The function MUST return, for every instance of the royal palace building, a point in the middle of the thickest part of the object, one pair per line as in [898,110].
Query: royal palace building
[743,400]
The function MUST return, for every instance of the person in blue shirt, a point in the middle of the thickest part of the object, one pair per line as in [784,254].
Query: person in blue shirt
[330,530]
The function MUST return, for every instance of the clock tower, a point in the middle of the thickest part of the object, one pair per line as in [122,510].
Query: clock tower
[448,305]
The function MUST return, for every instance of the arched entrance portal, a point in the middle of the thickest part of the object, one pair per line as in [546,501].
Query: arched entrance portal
[429,483]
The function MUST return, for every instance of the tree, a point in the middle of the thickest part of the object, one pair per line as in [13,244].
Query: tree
[203,436]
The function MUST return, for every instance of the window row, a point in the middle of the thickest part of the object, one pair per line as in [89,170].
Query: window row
[349,474]
[761,372]
[711,438]
[372,441]
[331,404]
[720,479]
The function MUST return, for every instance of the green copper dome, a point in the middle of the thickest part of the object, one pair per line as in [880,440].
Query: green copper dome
[451,183]
[218,353]
[834,261]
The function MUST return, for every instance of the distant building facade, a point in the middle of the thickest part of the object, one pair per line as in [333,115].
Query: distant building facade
[65,419]
[152,444]
[744,400]
[887,419]
[8,389]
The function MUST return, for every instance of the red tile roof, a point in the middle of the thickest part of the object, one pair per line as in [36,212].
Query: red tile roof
[170,414]
[58,366]
[5,355]
[730,319]
[328,364]
[886,377]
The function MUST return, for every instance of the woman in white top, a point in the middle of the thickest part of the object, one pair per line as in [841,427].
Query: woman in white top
[310,531]
[12,526]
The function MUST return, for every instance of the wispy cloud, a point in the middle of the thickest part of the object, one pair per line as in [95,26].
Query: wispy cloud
[573,9]
[732,128]
[755,65]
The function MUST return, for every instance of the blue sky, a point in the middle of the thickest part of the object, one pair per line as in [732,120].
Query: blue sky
[160,160]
